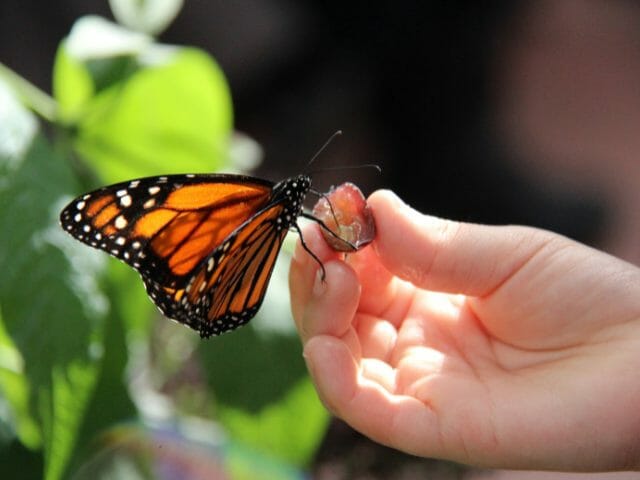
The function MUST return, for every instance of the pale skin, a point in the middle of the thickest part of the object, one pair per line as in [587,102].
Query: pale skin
[503,347]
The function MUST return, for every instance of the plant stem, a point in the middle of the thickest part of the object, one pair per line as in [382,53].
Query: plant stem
[34,98]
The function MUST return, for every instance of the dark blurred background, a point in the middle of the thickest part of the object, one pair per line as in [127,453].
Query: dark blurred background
[499,112]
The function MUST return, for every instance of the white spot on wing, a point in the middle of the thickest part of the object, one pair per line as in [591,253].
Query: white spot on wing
[120,222]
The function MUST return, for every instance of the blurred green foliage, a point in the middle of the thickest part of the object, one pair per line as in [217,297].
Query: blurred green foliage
[82,350]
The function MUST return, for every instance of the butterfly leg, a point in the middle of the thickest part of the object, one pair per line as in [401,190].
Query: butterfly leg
[308,250]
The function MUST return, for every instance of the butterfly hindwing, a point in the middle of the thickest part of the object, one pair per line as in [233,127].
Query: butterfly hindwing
[227,289]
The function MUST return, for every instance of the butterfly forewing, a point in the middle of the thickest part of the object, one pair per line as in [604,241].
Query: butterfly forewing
[163,226]
[205,245]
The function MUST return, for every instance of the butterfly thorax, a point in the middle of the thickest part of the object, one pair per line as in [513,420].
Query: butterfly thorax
[290,193]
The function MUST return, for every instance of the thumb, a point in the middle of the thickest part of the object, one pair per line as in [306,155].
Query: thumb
[448,256]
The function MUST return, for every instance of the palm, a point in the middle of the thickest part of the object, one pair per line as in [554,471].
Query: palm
[432,348]
[477,374]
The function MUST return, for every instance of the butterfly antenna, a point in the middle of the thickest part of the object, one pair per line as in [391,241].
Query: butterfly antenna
[349,167]
[324,147]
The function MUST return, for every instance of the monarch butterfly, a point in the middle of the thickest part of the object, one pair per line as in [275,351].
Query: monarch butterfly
[205,245]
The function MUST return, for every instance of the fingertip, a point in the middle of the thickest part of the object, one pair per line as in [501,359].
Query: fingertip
[304,268]
[333,369]
[332,303]
[384,196]
[387,203]
[399,421]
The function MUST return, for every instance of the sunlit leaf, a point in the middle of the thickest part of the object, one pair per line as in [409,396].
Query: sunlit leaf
[72,85]
[139,108]
[14,393]
[168,118]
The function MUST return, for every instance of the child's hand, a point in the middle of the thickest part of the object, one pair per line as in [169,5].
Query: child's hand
[506,347]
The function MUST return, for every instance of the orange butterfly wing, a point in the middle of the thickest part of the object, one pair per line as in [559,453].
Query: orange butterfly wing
[227,289]
[205,245]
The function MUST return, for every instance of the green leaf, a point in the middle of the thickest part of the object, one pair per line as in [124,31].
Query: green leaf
[73,86]
[139,108]
[131,304]
[110,404]
[169,118]
[51,308]
[96,54]
[273,431]
[15,392]
[63,411]
[260,383]
[250,370]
